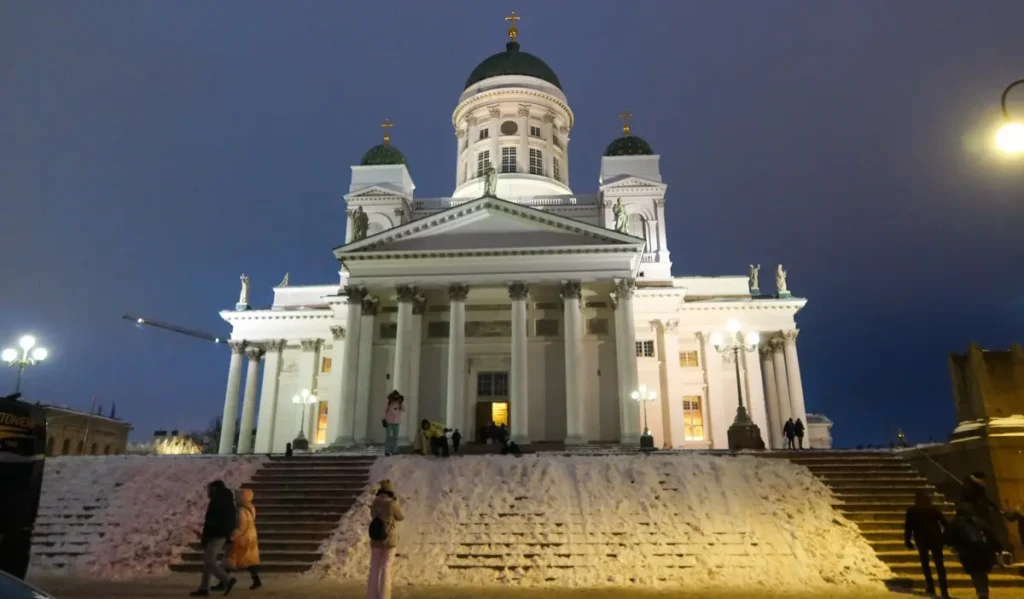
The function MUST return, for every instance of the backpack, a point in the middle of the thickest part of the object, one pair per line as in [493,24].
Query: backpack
[378,530]
[967,532]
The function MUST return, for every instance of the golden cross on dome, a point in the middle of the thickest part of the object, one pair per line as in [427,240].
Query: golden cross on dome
[625,121]
[387,125]
[512,31]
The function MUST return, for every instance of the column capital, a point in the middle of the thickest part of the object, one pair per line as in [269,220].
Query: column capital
[523,110]
[790,335]
[354,293]
[406,293]
[370,304]
[518,291]
[777,344]
[309,345]
[254,352]
[458,292]
[274,344]
[419,305]
[625,287]
[671,325]
[571,290]
[237,346]
[338,332]
[765,350]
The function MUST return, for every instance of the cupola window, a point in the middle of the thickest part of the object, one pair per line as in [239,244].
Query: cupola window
[508,160]
[483,160]
[536,162]
[556,168]
[485,133]
[534,131]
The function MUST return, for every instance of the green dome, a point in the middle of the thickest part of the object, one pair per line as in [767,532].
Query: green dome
[513,62]
[629,145]
[383,154]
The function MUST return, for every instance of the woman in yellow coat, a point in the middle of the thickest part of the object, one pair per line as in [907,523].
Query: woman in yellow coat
[244,551]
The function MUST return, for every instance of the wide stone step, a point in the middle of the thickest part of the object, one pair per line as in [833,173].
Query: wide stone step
[265,520]
[880,515]
[910,578]
[867,475]
[871,505]
[339,484]
[281,462]
[894,558]
[864,486]
[894,498]
[299,536]
[271,546]
[266,566]
[276,513]
[195,554]
[266,497]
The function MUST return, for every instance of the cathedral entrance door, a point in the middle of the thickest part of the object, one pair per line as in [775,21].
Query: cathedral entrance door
[492,404]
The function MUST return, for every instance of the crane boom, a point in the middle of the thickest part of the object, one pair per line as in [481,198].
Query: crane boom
[141,322]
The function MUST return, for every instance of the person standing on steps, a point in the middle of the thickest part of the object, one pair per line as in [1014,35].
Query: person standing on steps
[243,551]
[217,528]
[393,422]
[789,431]
[926,526]
[798,430]
[456,439]
[385,513]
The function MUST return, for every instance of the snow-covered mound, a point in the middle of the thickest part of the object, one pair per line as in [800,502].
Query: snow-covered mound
[694,520]
[125,516]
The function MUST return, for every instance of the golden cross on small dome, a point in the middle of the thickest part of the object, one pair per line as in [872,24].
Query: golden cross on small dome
[387,125]
[625,121]
[512,31]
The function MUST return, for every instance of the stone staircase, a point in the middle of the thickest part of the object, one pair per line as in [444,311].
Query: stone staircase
[62,534]
[874,490]
[299,502]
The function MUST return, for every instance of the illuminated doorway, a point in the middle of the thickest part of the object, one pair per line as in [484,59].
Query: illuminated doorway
[492,402]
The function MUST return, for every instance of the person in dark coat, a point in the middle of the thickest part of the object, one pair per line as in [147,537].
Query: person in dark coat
[456,439]
[972,535]
[926,526]
[217,528]
[789,432]
[798,430]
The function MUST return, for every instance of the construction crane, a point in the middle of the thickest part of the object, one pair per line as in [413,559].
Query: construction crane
[144,322]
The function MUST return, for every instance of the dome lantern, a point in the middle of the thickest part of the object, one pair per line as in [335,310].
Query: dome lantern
[384,153]
[512,61]
[628,144]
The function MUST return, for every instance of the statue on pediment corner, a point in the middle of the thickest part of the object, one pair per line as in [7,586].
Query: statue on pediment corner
[490,181]
[360,224]
[621,219]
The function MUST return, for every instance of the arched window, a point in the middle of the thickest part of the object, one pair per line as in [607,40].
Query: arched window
[94,449]
[49,446]
[81,448]
[106,449]
[65,448]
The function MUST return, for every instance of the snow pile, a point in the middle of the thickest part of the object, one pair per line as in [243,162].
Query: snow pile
[125,516]
[699,520]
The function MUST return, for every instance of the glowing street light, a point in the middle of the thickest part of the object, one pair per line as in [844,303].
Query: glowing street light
[743,434]
[644,395]
[30,355]
[1010,137]
[303,398]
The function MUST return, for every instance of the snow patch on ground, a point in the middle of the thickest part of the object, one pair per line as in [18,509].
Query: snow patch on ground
[696,520]
[116,517]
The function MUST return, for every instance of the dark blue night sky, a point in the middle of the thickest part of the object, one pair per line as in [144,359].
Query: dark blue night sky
[152,151]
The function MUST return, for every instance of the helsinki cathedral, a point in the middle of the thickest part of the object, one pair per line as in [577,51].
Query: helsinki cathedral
[516,300]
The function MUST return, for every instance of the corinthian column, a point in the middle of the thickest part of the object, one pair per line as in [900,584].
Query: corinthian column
[453,415]
[227,421]
[252,380]
[268,397]
[519,383]
[412,398]
[771,397]
[335,401]
[400,372]
[781,380]
[796,385]
[365,370]
[346,415]
[625,340]
[573,336]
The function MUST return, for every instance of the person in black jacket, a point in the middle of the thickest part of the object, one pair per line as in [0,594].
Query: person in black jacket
[972,533]
[798,430]
[217,528]
[789,432]
[926,525]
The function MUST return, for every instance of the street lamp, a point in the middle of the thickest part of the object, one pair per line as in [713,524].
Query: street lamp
[1010,138]
[743,434]
[303,398]
[30,355]
[644,395]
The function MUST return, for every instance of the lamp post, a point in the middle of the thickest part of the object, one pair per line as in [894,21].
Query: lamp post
[1010,138]
[644,395]
[743,434]
[303,398]
[30,355]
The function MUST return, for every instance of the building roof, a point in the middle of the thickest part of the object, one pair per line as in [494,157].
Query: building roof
[817,419]
[384,153]
[73,412]
[512,62]
[629,145]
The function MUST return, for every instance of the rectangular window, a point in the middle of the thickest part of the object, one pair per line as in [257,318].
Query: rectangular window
[534,131]
[437,329]
[492,384]
[693,419]
[547,327]
[645,349]
[688,359]
[536,162]
[388,330]
[556,168]
[485,133]
[321,423]
[597,326]
[483,160]
[325,365]
[508,160]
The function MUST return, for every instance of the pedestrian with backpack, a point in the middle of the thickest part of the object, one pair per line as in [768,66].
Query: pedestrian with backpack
[971,533]
[385,513]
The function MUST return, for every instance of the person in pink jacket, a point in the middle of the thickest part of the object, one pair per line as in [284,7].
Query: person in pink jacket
[393,421]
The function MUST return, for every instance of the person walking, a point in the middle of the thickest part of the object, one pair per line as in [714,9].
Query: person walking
[217,528]
[789,431]
[385,513]
[972,535]
[456,439]
[798,430]
[243,552]
[926,526]
[393,422]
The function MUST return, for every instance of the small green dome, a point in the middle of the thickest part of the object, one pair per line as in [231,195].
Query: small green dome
[629,145]
[383,154]
[513,62]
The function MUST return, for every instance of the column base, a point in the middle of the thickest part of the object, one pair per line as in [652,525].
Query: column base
[630,438]
[575,440]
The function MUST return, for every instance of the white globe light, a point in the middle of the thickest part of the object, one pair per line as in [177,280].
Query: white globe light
[733,326]
[652,396]
[716,339]
[753,338]
[9,355]
[635,395]
[39,354]
[1010,138]
[296,399]
[27,342]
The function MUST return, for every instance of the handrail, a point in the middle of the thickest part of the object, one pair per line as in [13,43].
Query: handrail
[930,459]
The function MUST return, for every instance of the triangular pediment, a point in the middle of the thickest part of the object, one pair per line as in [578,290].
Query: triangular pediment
[380,190]
[489,224]
[632,182]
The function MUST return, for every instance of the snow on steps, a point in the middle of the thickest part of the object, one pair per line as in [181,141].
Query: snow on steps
[122,516]
[873,490]
[299,502]
[580,520]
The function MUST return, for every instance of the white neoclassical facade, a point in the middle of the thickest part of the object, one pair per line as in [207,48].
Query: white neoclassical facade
[516,301]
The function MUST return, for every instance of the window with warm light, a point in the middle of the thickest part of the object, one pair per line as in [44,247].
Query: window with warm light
[688,359]
[325,365]
[645,349]
[693,419]
[321,423]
